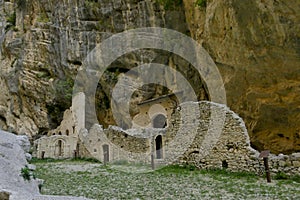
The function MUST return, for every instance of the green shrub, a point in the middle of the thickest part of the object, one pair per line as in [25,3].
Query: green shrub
[201,3]
[26,173]
[43,17]
[11,20]
[169,4]
[281,176]
[64,89]
[296,178]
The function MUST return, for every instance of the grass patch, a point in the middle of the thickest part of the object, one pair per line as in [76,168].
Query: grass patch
[91,160]
[46,160]
[94,180]
[51,160]
[284,176]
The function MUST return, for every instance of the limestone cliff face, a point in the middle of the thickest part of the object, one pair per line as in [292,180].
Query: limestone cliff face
[43,44]
[254,43]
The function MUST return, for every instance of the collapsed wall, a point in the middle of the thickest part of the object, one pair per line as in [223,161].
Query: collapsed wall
[225,146]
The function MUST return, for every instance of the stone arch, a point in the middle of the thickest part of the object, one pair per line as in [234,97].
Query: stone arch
[159,121]
[158,147]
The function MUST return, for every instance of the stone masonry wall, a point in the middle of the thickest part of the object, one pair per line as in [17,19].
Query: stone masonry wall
[232,149]
[191,138]
[121,146]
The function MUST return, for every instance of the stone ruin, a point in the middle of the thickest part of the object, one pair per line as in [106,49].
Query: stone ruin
[173,137]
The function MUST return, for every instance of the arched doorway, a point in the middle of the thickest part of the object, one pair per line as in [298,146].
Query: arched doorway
[59,148]
[158,147]
[159,121]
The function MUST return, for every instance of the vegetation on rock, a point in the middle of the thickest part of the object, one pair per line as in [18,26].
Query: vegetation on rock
[201,3]
[170,4]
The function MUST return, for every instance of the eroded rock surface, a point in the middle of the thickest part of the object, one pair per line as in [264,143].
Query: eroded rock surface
[254,43]
[12,160]
[256,47]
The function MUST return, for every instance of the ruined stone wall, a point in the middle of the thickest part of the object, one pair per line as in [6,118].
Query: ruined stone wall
[232,149]
[67,126]
[192,138]
[56,146]
[121,146]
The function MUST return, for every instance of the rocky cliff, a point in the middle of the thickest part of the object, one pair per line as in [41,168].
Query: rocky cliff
[255,44]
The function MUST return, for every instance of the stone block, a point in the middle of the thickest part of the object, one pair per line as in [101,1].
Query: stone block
[281,163]
[296,163]
[295,156]
[28,156]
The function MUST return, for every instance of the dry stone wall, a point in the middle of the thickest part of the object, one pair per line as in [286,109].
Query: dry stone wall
[232,150]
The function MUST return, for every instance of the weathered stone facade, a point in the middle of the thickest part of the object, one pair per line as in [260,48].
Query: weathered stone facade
[155,112]
[62,141]
[215,137]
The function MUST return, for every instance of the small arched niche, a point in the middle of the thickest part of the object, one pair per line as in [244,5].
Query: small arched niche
[159,121]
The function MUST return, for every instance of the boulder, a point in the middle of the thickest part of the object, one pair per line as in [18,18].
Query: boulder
[12,160]
[13,186]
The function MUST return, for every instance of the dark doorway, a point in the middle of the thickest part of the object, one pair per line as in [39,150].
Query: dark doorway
[43,155]
[158,147]
[159,121]
[60,148]
[105,153]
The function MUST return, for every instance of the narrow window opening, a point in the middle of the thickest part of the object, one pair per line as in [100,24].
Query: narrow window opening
[158,147]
